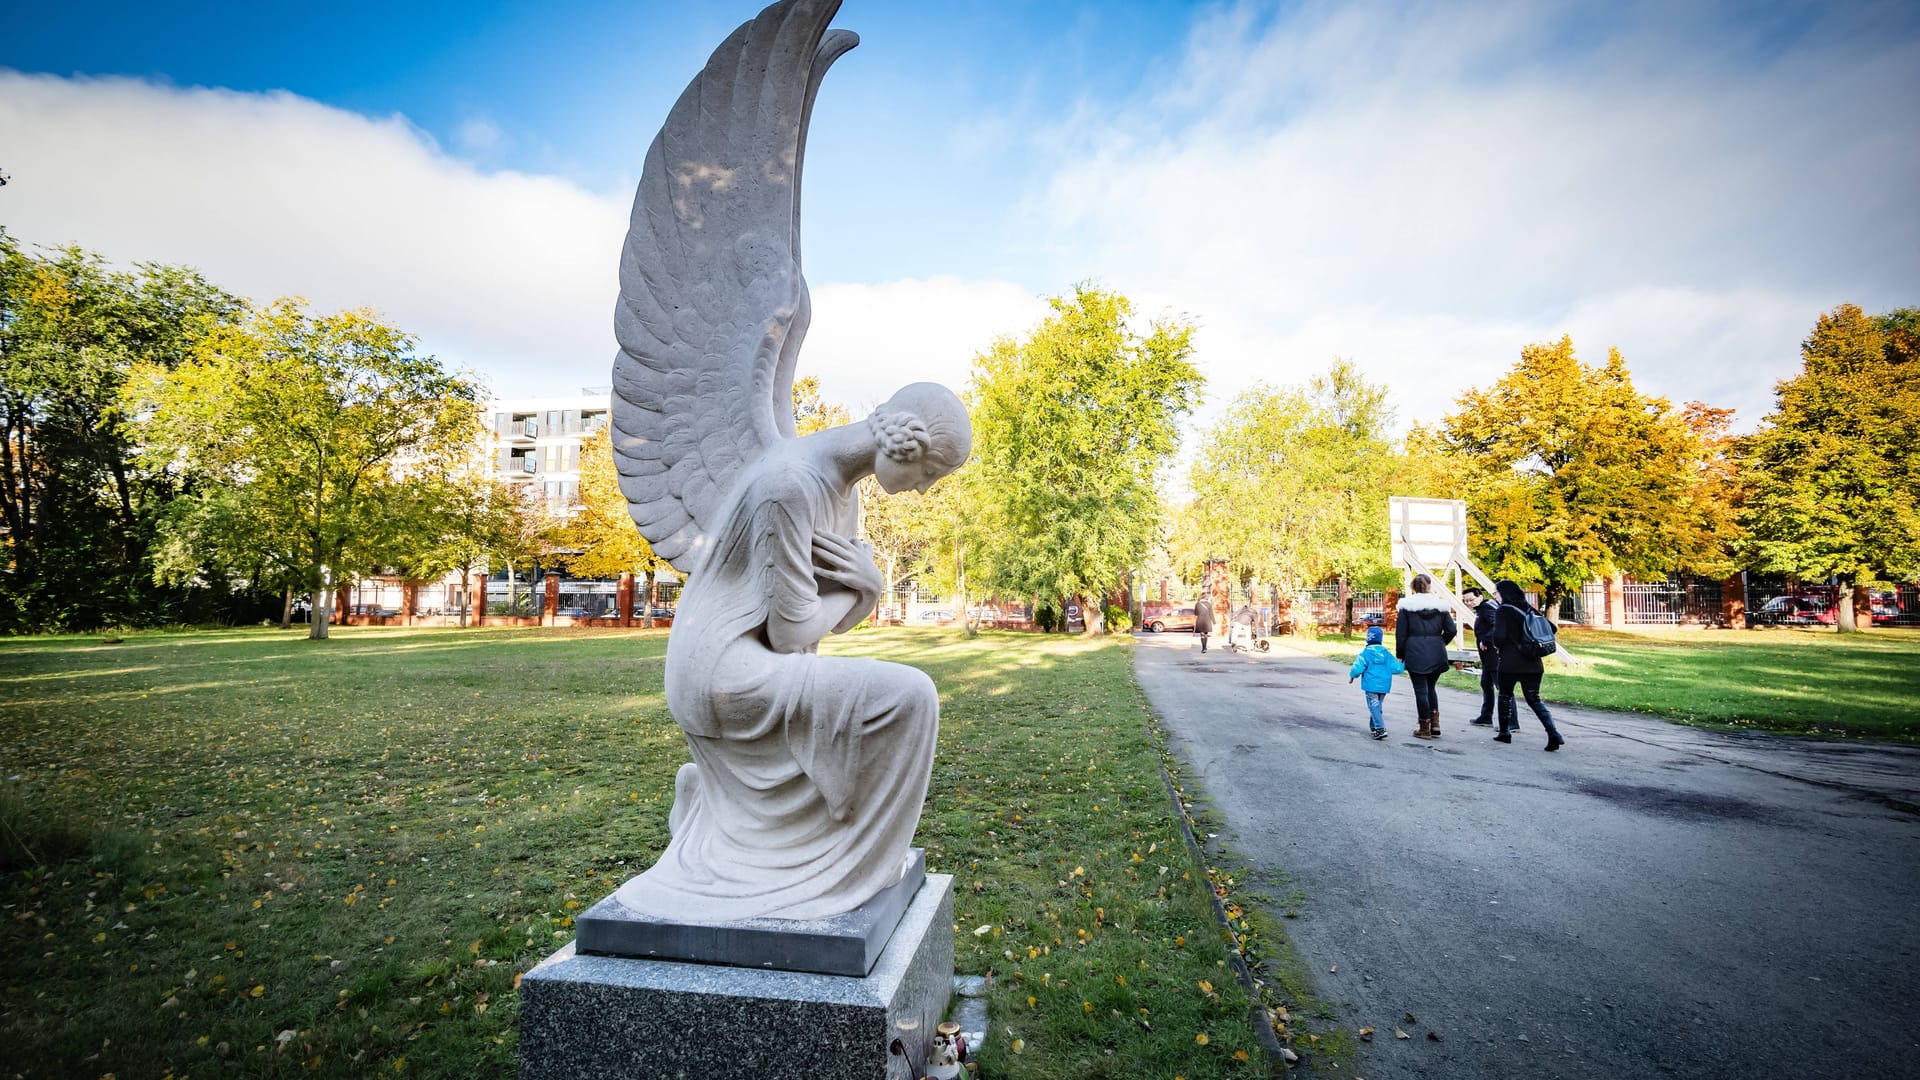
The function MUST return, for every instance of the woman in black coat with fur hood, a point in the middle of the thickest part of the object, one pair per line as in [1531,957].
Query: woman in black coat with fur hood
[1421,631]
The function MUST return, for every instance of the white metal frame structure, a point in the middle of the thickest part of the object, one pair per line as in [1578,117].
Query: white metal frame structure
[1429,536]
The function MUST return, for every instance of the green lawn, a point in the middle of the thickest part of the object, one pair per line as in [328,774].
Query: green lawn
[245,853]
[1792,681]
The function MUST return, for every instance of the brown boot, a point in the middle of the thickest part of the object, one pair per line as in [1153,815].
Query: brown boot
[1433,722]
[1426,729]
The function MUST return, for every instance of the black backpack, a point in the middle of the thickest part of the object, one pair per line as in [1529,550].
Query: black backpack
[1536,635]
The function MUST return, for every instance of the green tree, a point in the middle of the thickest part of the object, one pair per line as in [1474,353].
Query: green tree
[1290,485]
[1832,478]
[77,512]
[1571,474]
[1071,429]
[323,420]
[598,539]
[467,521]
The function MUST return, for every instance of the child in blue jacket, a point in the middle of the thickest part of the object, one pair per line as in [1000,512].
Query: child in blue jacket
[1375,667]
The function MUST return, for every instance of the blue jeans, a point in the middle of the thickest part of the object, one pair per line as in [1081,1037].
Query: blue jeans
[1375,721]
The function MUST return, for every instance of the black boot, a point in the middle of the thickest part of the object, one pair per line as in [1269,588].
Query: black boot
[1554,741]
[1507,723]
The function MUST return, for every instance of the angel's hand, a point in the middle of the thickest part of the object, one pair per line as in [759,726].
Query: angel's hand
[848,564]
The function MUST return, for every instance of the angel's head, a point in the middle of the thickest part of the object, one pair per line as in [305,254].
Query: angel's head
[920,435]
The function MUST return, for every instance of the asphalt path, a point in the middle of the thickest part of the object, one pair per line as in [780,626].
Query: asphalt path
[1651,900]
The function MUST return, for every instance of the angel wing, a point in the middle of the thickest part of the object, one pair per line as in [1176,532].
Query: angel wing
[713,306]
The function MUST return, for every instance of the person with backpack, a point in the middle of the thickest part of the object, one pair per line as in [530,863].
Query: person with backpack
[1523,636]
[1485,608]
[1375,667]
[1420,635]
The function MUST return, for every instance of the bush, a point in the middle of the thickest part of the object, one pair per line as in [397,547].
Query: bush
[1117,620]
[1046,618]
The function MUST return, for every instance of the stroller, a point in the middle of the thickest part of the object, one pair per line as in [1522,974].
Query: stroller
[1243,634]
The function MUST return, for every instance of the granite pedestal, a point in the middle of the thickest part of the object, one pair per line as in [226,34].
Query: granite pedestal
[585,1017]
[848,944]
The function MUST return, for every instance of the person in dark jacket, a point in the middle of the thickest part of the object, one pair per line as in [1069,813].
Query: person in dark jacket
[1484,609]
[1517,669]
[1203,621]
[1420,635]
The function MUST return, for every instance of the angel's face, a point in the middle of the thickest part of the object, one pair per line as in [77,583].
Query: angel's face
[897,476]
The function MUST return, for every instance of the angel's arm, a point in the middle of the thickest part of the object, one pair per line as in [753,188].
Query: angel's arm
[815,584]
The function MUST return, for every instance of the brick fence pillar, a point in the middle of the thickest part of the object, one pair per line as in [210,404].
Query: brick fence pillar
[1390,609]
[1733,601]
[1617,602]
[409,600]
[550,608]
[624,598]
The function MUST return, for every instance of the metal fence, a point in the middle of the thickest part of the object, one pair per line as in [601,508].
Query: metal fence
[1323,604]
[1671,602]
[512,598]
[1677,601]
[1780,601]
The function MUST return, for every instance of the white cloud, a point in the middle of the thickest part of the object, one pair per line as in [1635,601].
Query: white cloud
[867,341]
[479,135]
[271,194]
[508,274]
[1427,190]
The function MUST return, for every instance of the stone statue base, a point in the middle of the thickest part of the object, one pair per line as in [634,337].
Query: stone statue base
[848,944]
[585,1017]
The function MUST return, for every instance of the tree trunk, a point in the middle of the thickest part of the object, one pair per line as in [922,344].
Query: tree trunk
[322,607]
[1844,621]
[286,607]
[650,593]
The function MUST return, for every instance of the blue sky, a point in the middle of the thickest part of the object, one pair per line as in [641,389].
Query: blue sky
[1421,188]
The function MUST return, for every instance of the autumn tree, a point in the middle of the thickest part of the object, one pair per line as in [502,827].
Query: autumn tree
[77,510]
[321,419]
[811,412]
[1570,474]
[1071,429]
[1832,477]
[599,539]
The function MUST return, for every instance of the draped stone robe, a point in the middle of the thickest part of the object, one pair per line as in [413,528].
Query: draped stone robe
[808,772]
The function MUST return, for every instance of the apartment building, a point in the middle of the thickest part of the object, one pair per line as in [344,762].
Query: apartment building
[537,440]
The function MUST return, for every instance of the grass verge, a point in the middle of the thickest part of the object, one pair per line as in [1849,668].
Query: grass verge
[244,852]
[1786,681]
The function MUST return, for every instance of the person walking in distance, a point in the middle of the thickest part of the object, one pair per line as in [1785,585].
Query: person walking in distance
[1517,668]
[1484,609]
[1203,620]
[1420,637]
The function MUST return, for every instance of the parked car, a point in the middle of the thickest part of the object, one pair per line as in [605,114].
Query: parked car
[1794,611]
[935,615]
[1886,607]
[1177,619]
[660,611]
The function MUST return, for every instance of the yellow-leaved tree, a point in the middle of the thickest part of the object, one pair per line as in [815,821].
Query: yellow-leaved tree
[599,539]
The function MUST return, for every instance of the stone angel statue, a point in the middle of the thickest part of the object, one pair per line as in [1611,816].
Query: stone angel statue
[808,772]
